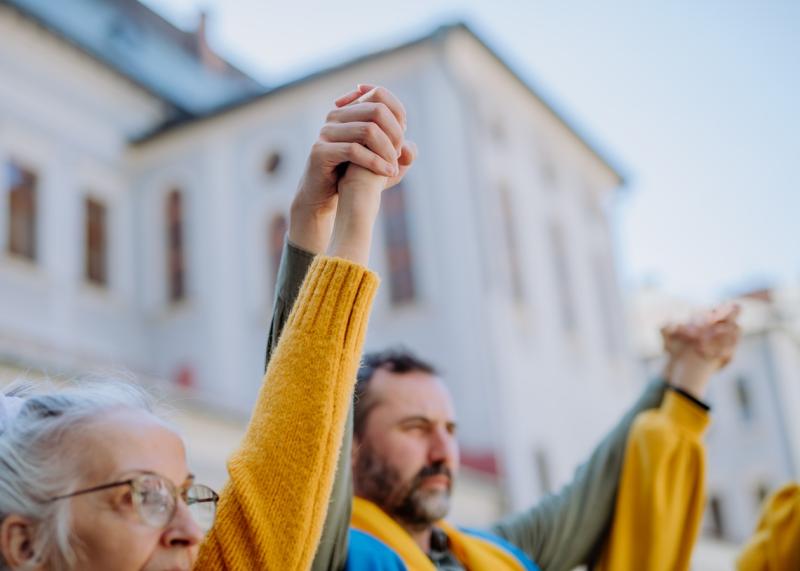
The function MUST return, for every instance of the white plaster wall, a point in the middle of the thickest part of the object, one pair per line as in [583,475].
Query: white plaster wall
[69,119]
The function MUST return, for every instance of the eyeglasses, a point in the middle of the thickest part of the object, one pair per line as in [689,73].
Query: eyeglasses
[155,499]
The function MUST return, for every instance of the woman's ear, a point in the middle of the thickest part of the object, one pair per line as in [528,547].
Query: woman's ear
[16,541]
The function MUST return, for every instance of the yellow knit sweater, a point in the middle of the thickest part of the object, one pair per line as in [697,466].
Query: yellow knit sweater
[776,544]
[661,492]
[272,510]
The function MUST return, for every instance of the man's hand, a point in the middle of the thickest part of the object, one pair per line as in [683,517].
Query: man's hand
[365,129]
[700,347]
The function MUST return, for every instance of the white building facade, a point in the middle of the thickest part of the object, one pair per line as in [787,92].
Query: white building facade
[142,231]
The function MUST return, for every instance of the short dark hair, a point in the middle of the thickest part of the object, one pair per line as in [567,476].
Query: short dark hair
[395,360]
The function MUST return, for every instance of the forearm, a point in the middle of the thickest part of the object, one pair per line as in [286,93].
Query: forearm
[310,226]
[294,266]
[332,550]
[271,512]
[331,553]
[564,530]
[359,202]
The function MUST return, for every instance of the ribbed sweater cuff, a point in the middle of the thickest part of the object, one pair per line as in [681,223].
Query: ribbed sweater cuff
[352,285]
[685,413]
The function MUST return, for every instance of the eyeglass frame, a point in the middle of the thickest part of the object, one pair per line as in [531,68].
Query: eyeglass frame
[176,493]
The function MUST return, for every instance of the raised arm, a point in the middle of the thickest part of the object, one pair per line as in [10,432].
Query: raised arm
[366,129]
[661,497]
[310,225]
[271,512]
[563,530]
[568,528]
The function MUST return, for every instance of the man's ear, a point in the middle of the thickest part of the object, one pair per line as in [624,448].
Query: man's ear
[16,540]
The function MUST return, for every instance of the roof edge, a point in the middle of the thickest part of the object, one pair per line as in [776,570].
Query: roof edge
[438,35]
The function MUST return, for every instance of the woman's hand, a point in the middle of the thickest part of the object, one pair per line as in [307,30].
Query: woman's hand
[366,129]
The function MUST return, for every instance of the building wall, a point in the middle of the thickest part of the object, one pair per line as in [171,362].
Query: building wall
[527,334]
[750,452]
[68,120]
[550,356]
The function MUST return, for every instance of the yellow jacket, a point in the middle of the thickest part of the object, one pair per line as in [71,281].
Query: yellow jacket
[272,509]
[776,543]
[661,492]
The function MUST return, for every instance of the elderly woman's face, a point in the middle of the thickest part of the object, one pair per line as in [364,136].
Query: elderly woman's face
[108,531]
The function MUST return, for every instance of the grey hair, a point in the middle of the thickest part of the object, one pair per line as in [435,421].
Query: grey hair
[38,456]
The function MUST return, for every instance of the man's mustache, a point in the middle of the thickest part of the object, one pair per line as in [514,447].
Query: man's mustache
[437,469]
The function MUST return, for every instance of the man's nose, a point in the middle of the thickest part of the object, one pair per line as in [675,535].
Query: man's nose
[439,445]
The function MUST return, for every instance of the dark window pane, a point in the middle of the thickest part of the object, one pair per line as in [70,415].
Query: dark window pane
[744,399]
[512,245]
[398,247]
[96,265]
[716,513]
[175,252]
[272,163]
[542,465]
[22,219]
[563,277]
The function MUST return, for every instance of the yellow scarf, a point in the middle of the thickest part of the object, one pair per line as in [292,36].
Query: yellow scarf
[474,553]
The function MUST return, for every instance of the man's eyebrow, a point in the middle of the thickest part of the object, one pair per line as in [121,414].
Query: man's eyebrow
[424,419]
[415,418]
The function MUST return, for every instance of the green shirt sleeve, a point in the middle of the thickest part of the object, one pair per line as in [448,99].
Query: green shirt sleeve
[566,529]
[332,550]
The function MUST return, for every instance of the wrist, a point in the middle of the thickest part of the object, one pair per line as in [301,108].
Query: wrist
[691,374]
[352,237]
[310,227]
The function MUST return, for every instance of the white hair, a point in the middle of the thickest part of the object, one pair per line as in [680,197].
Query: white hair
[39,457]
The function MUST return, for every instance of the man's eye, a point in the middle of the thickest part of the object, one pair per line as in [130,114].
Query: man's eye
[127,498]
[415,428]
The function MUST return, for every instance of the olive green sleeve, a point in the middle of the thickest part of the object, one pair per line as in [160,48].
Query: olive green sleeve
[332,550]
[566,529]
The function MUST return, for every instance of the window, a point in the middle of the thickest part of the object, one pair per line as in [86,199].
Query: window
[498,130]
[96,256]
[542,465]
[605,302]
[272,163]
[277,231]
[716,523]
[396,235]
[512,245]
[744,399]
[761,493]
[176,266]
[21,212]
[549,173]
[563,277]
[592,205]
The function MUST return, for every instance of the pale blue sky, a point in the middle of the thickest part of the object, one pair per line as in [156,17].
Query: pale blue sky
[699,100]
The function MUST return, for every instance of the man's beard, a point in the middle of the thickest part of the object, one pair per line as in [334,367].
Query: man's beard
[380,483]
